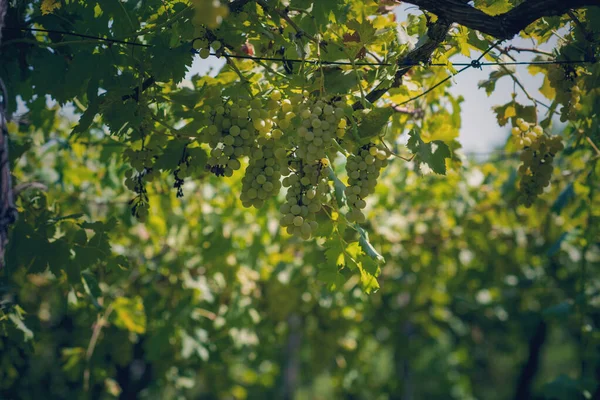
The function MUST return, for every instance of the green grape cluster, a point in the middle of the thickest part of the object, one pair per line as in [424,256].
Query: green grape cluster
[319,124]
[136,182]
[141,159]
[209,12]
[563,78]
[525,134]
[307,191]
[282,137]
[363,169]
[262,178]
[231,136]
[537,156]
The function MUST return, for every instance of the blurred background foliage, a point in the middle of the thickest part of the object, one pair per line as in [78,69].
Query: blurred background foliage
[479,298]
[208,300]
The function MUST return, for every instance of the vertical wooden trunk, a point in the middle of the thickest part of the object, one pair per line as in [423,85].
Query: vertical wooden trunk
[8,213]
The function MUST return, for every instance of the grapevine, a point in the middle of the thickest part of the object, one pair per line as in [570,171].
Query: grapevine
[537,156]
[363,169]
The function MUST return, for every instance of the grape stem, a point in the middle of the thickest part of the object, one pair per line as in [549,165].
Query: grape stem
[239,73]
[591,142]
[391,153]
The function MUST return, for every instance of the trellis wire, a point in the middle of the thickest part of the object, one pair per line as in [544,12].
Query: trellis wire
[474,63]
[477,63]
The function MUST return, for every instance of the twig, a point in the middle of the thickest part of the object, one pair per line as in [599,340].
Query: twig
[391,153]
[100,323]
[29,185]
[591,142]
[416,112]
[526,50]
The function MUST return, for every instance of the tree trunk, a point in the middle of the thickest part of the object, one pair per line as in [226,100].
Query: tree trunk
[8,211]
[530,368]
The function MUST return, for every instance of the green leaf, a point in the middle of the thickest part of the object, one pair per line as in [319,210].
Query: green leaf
[17,320]
[91,287]
[331,275]
[87,118]
[555,248]
[339,188]
[367,246]
[563,199]
[129,314]
[490,84]
[369,270]
[338,80]
[514,110]
[561,310]
[433,154]
[335,252]
[493,7]
[169,63]
[564,388]
[372,121]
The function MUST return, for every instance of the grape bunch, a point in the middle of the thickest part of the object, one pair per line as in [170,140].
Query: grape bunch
[363,169]
[319,124]
[262,178]
[525,134]
[231,136]
[307,191]
[563,78]
[537,156]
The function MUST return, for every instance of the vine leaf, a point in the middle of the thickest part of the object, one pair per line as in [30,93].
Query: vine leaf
[339,188]
[335,253]
[169,63]
[512,110]
[129,314]
[490,84]
[332,277]
[91,287]
[367,247]
[329,272]
[372,121]
[433,154]
[368,267]
[563,199]
[369,270]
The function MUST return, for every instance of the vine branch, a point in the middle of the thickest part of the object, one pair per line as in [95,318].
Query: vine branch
[502,26]
[8,211]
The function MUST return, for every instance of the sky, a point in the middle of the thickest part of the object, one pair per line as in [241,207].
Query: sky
[479,133]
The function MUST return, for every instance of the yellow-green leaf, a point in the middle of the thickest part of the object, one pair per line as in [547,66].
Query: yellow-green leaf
[129,314]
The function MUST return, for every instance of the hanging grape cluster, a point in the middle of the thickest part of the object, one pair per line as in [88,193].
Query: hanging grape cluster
[282,142]
[563,78]
[231,135]
[307,191]
[320,123]
[537,156]
[262,178]
[363,169]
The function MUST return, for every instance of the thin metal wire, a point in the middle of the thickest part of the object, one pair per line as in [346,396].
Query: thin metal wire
[474,63]
[309,61]
[82,36]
